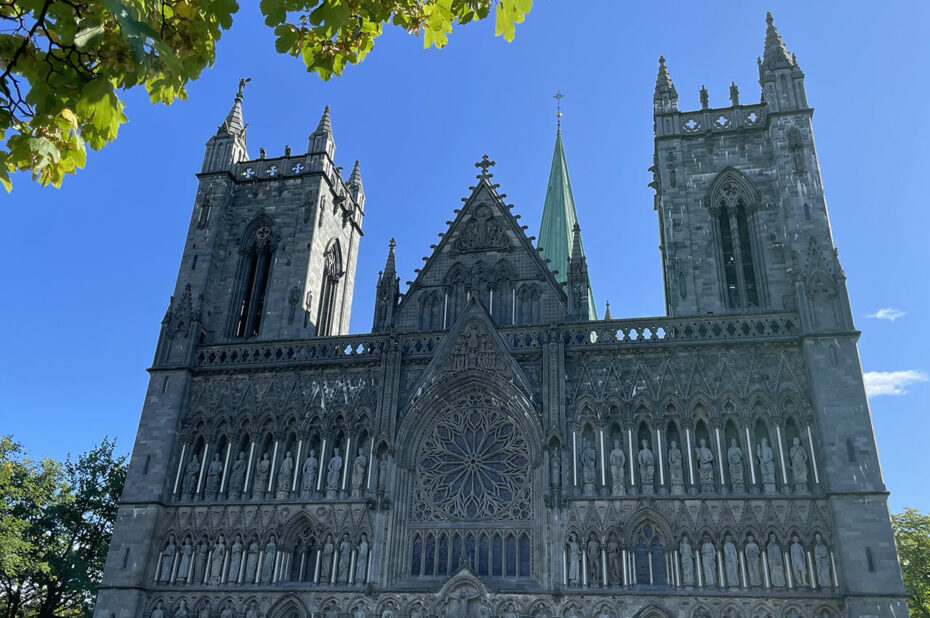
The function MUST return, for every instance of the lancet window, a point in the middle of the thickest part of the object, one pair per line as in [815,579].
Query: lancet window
[254,273]
[332,275]
[732,201]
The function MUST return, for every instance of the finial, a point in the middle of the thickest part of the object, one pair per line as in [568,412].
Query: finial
[558,96]
[768,18]
[484,164]
[607,315]
[242,82]
[705,99]
[662,60]
[392,244]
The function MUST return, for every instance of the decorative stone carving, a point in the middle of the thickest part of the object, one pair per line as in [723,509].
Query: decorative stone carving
[593,555]
[228,611]
[191,470]
[776,563]
[705,459]
[647,470]
[252,612]
[555,468]
[730,562]
[383,466]
[326,560]
[574,561]
[753,562]
[181,611]
[308,475]
[709,562]
[345,560]
[675,469]
[283,482]
[481,233]
[822,563]
[614,563]
[167,560]
[262,471]
[798,562]
[799,459]
[159,611]
[204,611]
[358,473]
[268,562]
[735,466]
[251,563]
[200,564]
[766,466]
[333,468]
[214,472]
[237,476]
[235,560]
[184,565]
[588,470]
[687,561]
[617,475]
[474,349]
[361,563]
[217,561]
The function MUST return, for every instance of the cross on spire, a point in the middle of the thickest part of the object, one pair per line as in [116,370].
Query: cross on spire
[484,164]
[558,96]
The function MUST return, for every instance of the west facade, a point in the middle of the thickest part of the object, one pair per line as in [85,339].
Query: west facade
[491,448]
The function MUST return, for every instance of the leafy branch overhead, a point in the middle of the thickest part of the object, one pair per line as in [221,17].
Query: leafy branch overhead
[64,62]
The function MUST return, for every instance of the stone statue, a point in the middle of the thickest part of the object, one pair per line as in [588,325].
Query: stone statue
[262,470]
[614,562]
[617,476]
[753,562]
[361,563]
[687,561]
[200,563]
[181,611]
[555,468]
[268,564]
[709,562]
[360,612]
[647,470]
[388,613]
[798,562]
[214,472]
[766,466]
[204,611]
[217,561]
[382,472]
[358,474]
[574,559]
[730,562]
[675,470]
[308,475]
[190,475]
[776,564]
[227,611]
[417,612]
[332,473]
[593,555]
[167,560]
[735,464]
[159,611]
[799,460]
[326,561]
[235,560]
[510,612]
[252,612]
[588,467]
[822,563]
[283,484]
[237,476]
[705,458]
[251,563]
[345,560]
[187,555]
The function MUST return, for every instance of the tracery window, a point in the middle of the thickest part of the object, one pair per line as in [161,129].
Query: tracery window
[332,275]
[731,204]
[256,257]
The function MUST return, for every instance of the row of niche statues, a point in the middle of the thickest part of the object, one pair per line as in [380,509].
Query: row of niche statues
[591,563]
[239,563]
[182,610]
[332,563]
[284,483]
[705,479]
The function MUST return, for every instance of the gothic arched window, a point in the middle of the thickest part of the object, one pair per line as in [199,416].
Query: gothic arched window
[256,256]
[732,202]
[332,275]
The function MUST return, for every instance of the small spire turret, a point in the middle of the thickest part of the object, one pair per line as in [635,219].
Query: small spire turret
[607,315]
[780,76]
[227,146]
[355,186]
[666,97]
[580,296]
[387,294]
[321,140]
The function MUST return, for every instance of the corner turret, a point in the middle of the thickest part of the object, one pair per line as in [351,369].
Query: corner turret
[666,97]
[780,76]
[387,294]
[227,147]
[580,298]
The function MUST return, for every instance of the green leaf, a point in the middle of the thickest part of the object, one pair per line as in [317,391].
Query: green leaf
[83,37]
[273,10]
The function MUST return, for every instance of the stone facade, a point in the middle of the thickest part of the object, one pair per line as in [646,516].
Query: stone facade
[488,450]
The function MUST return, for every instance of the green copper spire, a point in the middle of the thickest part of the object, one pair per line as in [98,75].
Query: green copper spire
[559,219]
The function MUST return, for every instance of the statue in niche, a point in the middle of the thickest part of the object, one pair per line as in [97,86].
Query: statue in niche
[822,562]
[555,467]
[345,560]
[753,561]
[252,612]
[574,560]
[332,473]
[217,562]
[251,562]
[358,473]
[766,466]
[187,555]
[614,562]
[388,613]
[326,560]
[687,561]
[361,563]
[735,464]
[593,555]
[799,460]
[617,476]
[214,472]
[227,611]
[204,611]
[647,470]
[730,562]
[776,563]
[159,611]
[167,560]
[190,475]
[308,475]
[283,484]
[181,611]
[262,470]
[705,459]
[360,612]
[237,477]
[268,565]
[382,472]
[798,562]
[510,612]
[709,562]
[200,563]
[588,471]
[235,559]
[675,470]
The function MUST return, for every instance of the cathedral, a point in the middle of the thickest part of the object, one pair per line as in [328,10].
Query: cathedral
[491,448]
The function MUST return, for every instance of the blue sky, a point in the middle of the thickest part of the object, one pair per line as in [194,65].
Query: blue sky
[90,267]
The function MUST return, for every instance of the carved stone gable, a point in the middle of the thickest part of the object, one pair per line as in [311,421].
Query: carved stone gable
[474,349]
[481,232]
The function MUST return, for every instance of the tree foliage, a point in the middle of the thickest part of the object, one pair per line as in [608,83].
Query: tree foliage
[912,535]
[56,520]
[64,62]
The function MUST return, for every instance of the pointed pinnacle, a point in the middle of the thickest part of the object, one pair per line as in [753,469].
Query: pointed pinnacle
[664,81]
[775,55]
[325,126]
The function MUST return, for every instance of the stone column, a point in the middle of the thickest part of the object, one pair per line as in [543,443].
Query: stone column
[751,455]
[810,444]
[781,458]
[323,461]
[247,487]
[297,464]
[230,440]
[177,477]
[274,463]
[723,483]
[203,465]
[691,489]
